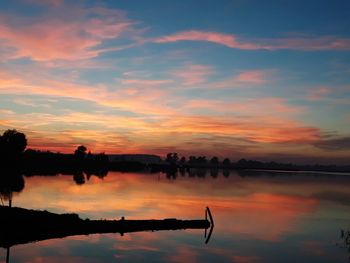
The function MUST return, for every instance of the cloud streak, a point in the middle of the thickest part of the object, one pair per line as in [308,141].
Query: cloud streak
[233,41]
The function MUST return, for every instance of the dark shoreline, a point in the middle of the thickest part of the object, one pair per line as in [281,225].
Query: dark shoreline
[20,226]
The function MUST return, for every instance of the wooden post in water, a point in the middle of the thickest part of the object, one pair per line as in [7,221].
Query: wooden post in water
[210,216]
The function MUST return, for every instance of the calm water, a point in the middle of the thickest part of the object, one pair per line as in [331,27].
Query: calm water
[259,217]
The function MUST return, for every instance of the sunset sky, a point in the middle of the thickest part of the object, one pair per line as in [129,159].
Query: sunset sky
[258,79]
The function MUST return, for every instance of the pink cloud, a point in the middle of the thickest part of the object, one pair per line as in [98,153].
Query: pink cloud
[245,79]
[51,3]
[161,115]
[319,93]
[193,74]
[218,38]
[57,37]
[311,43]
[271,106]
[254,77]
[232,41]
[146,82]
[139,99]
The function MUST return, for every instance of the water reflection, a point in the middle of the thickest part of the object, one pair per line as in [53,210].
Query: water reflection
[11,182]
[260,216]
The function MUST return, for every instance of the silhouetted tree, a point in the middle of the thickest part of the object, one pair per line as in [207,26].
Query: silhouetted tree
[182,171]
[226,162]
[102,157]
[183,160]
[226,173]
[11,181]
[12,144]
[80,152]
[242,163]
[192,160]
[202,160]
[214,161]
[214,172]
[172,158]
[201,172]
[79,178]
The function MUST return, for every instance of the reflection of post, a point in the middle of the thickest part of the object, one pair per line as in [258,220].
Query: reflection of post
[206,218]
[10,200]
[8,255]
[207,212]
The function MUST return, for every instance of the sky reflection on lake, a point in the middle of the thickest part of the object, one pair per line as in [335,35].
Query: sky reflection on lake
[258,218]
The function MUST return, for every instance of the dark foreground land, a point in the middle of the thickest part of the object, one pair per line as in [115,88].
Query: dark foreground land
[20,226]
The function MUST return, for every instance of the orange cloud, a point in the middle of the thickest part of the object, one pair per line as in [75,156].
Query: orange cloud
[150,100]
[232,41]
[268,120]
[270,131]
[160,119]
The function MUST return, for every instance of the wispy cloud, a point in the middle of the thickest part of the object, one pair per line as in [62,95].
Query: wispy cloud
[138,100]
[245,79]
[233,41]
[193,74]
[265,120]
[318,93]
[214,37]
[335,143]
[268,106]
[57,36]
[146,82]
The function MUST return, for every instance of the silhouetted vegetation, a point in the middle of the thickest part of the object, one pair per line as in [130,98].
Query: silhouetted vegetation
[12,145]
[172,158]
[24,226]
[39,162]
[344,240]
[202,162]
[11,182]
[82,163]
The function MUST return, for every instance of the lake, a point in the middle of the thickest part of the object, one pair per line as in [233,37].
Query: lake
[260,216]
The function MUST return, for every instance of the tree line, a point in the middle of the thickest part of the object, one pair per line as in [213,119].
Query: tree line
[13,153]
[175,161]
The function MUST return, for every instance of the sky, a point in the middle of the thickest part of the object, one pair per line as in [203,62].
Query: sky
[267,80]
